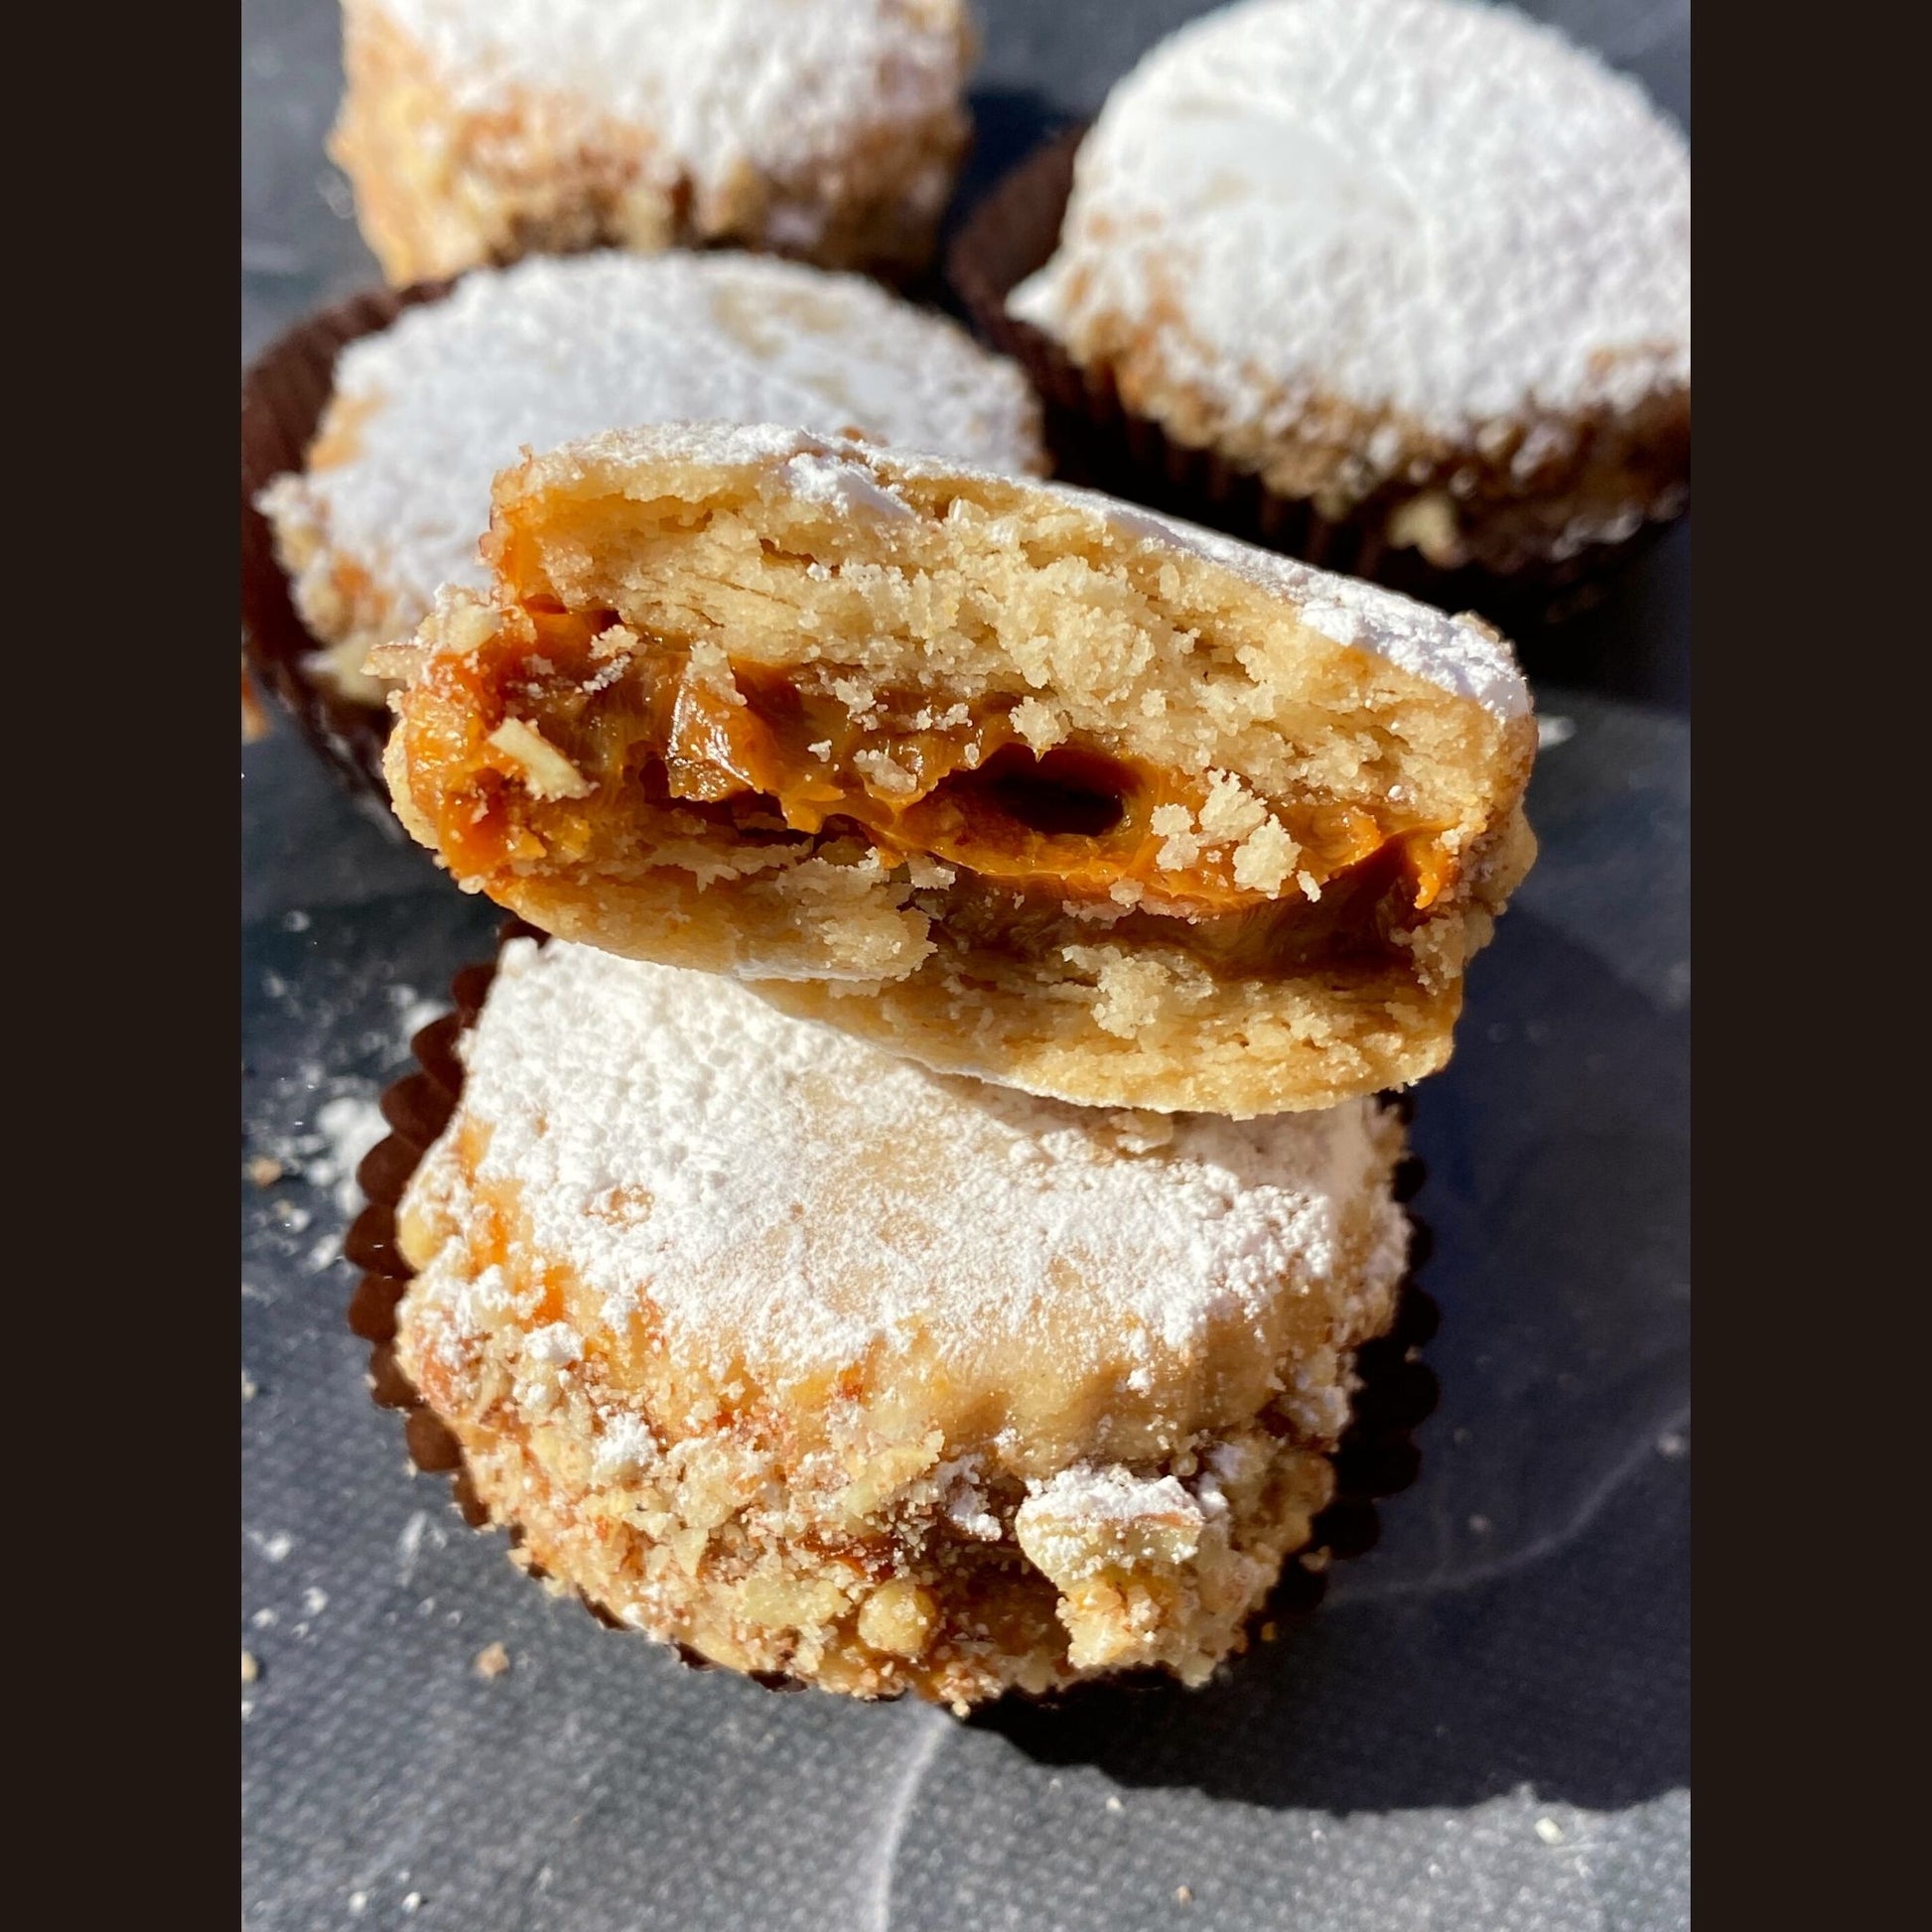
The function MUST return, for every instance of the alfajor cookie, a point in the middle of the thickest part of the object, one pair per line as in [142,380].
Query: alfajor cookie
[1420,266]
[1015,779]
[784,1350]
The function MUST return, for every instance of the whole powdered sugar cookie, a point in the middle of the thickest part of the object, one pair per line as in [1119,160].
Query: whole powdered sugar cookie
[1016,779]
[397,489]
[784,1350]
[481,130]
[1422,264]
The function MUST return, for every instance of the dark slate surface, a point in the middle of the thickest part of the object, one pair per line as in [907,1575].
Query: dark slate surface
[1484,1726]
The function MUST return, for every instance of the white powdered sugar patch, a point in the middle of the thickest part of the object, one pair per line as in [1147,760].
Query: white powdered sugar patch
[783,1196]
[1108,1493]
[414,1012]
[844,488]
[1432,207]
[313,1127]
[350,1126]
[551,350]
[1072,1522]
[786,88]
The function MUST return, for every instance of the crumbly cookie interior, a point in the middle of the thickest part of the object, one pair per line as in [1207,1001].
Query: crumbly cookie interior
[1040,736]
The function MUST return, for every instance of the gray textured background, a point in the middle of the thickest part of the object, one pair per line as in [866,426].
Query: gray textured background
[1484,1726]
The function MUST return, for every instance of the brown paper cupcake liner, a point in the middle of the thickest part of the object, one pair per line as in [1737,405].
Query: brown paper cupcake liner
[1098,441]
[1376,1457]
[284,393]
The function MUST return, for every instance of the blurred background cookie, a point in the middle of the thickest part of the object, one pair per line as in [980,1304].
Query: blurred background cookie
[395,490]
[1414,272]
[481,130]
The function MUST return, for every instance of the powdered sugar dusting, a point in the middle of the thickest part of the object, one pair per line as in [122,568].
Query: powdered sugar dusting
[550,349]
[786,1196]
[845,487]
[1431,206]
[1105,1492]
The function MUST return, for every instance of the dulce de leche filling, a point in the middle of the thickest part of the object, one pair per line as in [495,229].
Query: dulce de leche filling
[958,785]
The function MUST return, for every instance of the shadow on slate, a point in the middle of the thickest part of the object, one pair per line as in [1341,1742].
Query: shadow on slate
[1556,1189]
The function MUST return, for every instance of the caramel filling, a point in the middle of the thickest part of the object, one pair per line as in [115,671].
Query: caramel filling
[961,787]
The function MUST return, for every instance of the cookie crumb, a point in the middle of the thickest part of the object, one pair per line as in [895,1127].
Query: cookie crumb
[492,1660]
[1548,1831]
[1114,1804]
[264,1170]
[1270,1631]
[1182,1895]
[251,1388]
[250,1669]
[412,1901]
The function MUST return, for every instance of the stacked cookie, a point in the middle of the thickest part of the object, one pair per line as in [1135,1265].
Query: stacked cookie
[910,1222]
[911,1228]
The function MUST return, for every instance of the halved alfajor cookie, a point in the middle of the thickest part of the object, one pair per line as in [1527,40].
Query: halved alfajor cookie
[784,1350]
[1016,779]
